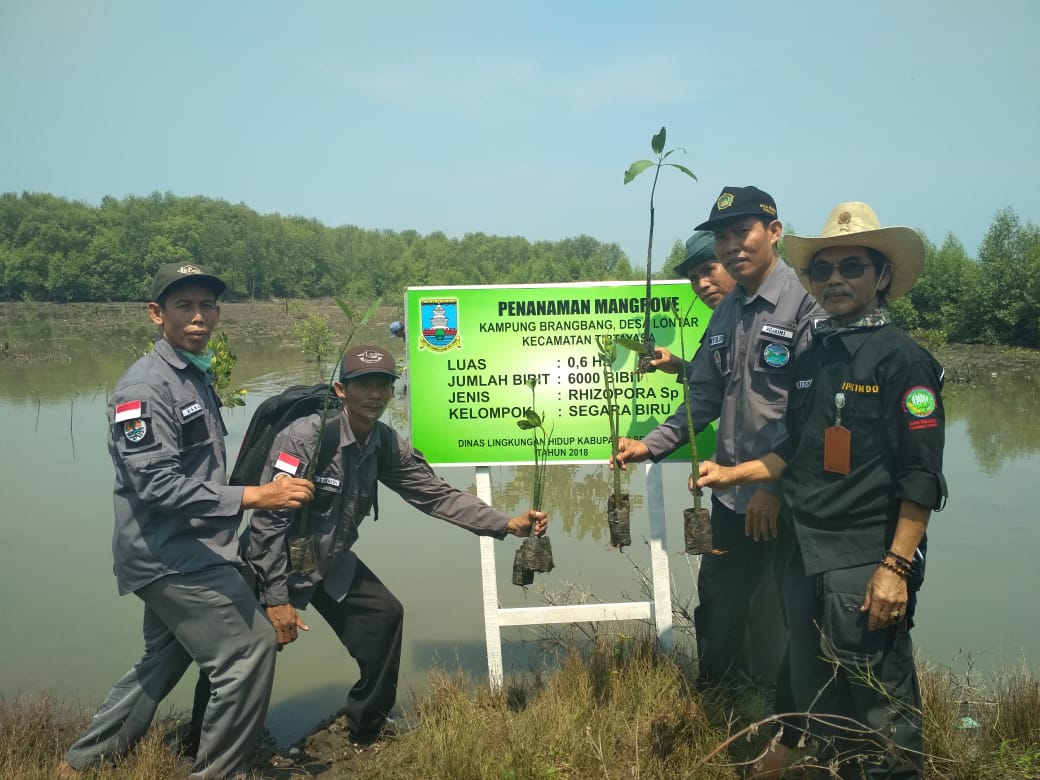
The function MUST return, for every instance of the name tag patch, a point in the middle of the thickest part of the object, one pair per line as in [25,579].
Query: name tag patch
[803,384]
[780,333]
[193,408]
[717,341]
[330,481]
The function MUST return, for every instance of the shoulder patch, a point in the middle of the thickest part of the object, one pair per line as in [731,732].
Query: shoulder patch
[919,401]
[135,430]
[129,410]
[287,463]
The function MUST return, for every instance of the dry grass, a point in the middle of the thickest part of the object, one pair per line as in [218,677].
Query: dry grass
[613,709]
[36,731]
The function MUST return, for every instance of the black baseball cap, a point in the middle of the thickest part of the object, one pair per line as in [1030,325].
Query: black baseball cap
[171,273]
[700,248]
[360,361]
[740,202]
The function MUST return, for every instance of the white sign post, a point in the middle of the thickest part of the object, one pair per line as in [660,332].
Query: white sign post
[659,610]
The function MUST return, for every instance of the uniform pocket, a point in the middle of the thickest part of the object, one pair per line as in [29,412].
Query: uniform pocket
[844,635]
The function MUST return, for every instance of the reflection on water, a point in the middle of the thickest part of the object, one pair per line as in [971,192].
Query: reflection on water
[75,636]
[1000,411]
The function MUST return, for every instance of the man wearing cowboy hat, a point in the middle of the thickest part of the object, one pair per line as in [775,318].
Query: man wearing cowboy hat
[861,467]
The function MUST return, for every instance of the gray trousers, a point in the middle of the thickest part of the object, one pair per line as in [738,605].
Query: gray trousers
[210,617]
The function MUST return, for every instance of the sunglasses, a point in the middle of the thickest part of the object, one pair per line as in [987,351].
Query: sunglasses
[849,268]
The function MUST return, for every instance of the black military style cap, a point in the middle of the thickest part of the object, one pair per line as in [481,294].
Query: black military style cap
[740,202]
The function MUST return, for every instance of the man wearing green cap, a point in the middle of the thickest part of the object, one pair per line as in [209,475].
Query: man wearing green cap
[175,542]
[709,280]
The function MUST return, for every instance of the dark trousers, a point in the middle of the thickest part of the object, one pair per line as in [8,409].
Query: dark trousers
[724,587]
[860,686]
[369,622]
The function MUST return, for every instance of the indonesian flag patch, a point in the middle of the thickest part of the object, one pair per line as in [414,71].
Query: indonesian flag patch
[130,410]
[287,463]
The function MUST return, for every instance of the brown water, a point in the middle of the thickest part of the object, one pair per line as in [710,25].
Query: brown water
[68,631]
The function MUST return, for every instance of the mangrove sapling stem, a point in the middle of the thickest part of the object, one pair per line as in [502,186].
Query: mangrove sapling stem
[303,516]
[694,461]
[657,145]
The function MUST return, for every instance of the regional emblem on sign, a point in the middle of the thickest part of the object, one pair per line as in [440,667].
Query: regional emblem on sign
[440,324]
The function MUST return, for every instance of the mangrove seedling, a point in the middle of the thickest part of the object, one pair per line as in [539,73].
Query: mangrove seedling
[636,168]
[619,506]
[696,520]
[301,542]
[535,552]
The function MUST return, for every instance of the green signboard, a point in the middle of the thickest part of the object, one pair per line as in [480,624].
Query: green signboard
[473,350]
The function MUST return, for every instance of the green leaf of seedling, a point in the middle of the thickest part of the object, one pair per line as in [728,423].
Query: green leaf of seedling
[631,344]
[657,142]
[371,310]
[533,417]
[682,168]
[347,311]
[524,425]
[636,168]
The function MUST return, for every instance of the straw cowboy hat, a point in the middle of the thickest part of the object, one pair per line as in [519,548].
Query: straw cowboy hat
[856,224]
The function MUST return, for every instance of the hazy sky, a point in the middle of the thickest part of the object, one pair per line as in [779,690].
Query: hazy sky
[519,118]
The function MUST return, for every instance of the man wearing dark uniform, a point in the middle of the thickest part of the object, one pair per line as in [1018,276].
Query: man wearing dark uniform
[862,471]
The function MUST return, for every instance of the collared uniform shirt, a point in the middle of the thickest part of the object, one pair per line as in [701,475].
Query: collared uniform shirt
[355,470]
[174,512]
[741,374]
[893,408]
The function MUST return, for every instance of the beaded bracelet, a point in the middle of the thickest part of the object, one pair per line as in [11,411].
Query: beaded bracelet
[905,561]
[894,567]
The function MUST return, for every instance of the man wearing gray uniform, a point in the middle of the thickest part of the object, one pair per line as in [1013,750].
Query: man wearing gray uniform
[316,566]
[175,542]
[739,375]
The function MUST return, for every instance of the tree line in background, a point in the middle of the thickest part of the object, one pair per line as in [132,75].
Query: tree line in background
[54,249]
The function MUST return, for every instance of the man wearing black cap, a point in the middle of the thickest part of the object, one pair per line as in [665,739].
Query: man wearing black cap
[365,615]
[175,541]
[740,376]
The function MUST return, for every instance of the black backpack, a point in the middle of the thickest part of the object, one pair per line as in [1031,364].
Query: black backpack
[276,413]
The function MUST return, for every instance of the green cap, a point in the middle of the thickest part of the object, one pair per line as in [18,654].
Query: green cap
[700,248]
[171,273]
